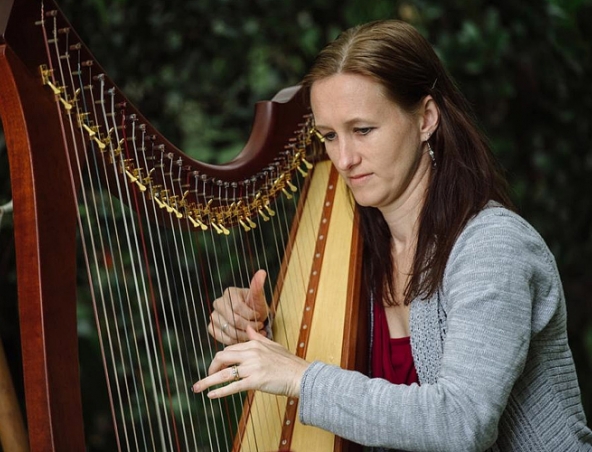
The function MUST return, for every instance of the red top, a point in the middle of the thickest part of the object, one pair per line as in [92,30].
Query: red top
[391,358]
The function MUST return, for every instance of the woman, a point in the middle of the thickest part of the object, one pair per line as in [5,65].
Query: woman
[469,346]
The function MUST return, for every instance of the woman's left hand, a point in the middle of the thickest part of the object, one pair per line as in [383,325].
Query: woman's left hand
[259,364]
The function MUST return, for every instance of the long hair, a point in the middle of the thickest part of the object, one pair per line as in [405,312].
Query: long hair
[466,175]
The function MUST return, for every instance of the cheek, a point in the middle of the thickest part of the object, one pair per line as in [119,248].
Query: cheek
[401,151]
[386,153]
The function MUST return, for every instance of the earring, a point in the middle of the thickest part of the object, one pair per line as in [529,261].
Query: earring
[432,156]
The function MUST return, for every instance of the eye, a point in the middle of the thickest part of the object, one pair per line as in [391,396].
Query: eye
[363,130]
[330,136]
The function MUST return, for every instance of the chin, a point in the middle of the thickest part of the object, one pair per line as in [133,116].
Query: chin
[364,202]
[367,197]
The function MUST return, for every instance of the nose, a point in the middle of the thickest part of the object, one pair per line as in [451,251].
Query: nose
[343,155]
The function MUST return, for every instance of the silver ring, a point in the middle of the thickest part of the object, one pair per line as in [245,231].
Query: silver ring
[235,376]
[224,327]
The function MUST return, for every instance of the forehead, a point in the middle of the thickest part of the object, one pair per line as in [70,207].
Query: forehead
[342,96]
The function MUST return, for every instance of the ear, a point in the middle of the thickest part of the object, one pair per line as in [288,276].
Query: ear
[429,117]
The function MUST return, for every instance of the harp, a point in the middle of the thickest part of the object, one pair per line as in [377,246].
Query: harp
[94,181]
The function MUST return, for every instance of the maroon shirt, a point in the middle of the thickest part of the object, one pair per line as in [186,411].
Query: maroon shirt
[391,358]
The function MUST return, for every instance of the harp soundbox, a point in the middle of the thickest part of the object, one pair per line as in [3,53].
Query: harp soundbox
[159,236]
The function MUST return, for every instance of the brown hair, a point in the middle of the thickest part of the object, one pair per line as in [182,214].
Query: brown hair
[466,176]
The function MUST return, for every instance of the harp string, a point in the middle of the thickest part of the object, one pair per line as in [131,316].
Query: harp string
[291,310]
[216,276]
[246,268]
[155,276]
[164,319]
[109,250]
[262,413]
[262,262]
[213,271]
[142,280]
[87,258]
[177,260]
[131,239]
[138,296]
[126,229]
[210,253]
[188,297]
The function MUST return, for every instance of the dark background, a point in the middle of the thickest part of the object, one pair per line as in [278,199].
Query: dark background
[196,67]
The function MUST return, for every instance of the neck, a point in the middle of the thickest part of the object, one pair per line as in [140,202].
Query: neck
[403,217]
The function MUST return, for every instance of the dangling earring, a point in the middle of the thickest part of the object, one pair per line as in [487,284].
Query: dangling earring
[431,151]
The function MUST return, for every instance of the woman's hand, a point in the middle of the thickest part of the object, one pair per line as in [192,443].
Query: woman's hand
[238,309]
[259,364]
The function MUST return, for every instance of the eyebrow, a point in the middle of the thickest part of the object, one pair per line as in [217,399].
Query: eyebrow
[349,122]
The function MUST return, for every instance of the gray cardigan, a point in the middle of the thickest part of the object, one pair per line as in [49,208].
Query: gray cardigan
[491,353]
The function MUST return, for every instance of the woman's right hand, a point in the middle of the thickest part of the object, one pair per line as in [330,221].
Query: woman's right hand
[238,308]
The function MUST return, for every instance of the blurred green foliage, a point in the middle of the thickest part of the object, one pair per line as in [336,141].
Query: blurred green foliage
[195,68]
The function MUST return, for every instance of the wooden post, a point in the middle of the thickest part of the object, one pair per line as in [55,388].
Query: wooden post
[13,435]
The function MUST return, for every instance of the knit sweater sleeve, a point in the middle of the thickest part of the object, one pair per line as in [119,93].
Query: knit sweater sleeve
[498,265]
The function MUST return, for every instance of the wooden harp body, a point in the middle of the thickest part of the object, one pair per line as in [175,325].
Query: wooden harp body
[68,126]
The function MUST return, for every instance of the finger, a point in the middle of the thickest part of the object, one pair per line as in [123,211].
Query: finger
[253,335]
[235,327]
[227,334]
[256,296]
[239,312]
[227,375]
[240,323]
[218,322]
[219,334]
[219,327]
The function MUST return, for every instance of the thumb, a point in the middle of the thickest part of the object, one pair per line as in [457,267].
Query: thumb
[254,335]
[256,296]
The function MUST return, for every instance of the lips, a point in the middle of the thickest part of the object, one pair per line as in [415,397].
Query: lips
[358,178]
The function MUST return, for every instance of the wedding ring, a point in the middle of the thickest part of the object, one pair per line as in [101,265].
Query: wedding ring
[235,375]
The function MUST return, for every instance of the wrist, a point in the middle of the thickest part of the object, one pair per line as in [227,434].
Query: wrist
[294,390]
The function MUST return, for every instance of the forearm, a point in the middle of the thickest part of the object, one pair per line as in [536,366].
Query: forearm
[374,412]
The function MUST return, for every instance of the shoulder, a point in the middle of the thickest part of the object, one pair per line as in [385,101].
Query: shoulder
[501,258]
[495,216]
[498,230]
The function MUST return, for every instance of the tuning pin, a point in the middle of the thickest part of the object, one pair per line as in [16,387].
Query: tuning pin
[265,217]
[307,163]
[244,225]
[319,136]
[291,185]
[270,211]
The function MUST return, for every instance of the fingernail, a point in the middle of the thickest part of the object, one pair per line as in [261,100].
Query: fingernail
[212,394]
